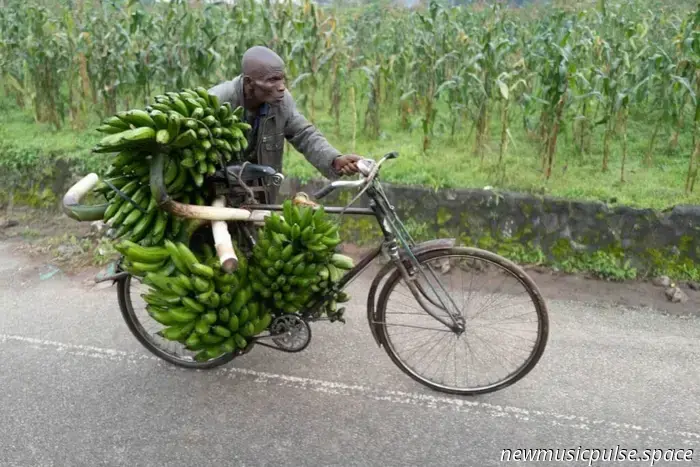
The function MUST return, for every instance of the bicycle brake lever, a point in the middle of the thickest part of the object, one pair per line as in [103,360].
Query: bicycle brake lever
[365,166]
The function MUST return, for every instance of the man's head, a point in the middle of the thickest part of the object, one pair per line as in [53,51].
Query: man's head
[263,76]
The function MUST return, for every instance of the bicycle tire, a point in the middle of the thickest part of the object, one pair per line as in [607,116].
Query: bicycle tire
[132,322]
[505,264]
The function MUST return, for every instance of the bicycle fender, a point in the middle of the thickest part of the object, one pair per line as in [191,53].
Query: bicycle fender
[423,247]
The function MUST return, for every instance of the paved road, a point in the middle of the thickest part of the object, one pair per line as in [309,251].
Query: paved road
[76,389]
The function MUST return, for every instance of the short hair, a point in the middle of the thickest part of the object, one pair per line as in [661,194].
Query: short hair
[258,60]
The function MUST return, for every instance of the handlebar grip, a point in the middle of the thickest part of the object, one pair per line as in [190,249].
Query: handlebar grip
[323,192]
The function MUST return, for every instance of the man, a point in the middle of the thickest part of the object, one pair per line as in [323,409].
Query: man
[271,111]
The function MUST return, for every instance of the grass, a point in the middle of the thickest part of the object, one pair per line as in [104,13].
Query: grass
[26,144]
[449,163]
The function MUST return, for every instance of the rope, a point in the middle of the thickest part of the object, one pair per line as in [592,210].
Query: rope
[251,196]
[123,195]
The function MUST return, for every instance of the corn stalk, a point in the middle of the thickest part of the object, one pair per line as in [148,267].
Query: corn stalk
[439,69]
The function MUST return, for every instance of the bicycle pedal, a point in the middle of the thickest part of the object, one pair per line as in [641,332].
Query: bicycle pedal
[338,316]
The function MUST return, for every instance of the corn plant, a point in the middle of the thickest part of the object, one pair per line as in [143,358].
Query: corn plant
[590,69]
[688,82]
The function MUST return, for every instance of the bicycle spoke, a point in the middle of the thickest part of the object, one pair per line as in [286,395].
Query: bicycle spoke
[491,350]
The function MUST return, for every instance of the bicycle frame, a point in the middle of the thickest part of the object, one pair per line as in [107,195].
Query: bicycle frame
[397,246]
[386,216]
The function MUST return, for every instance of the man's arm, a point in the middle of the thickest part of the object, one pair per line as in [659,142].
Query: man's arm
[308,140]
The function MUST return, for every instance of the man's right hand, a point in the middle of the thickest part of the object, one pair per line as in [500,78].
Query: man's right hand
[346,164]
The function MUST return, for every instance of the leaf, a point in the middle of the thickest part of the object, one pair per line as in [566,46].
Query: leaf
[587,95]
[446,85]
[444,58]
[503,88]
[299,79]
[603,120]
[684,82]
[406,95]
[520,82]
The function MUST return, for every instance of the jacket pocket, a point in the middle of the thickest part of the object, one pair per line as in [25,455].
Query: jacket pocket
[273,142]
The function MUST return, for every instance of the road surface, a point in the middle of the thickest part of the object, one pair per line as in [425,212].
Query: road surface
[76,389]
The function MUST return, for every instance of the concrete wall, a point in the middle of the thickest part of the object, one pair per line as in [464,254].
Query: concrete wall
[551,229]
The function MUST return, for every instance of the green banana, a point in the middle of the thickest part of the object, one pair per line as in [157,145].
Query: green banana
[165,284]
[116,122]
[193,305]
[240,341]
[184,139]
[181,315]
[177,332]
[174,123]
[161,316]
[138,118]
[163,136]
[160,119]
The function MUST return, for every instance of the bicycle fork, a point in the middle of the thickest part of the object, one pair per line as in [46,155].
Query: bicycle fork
[456,322]
[394,230]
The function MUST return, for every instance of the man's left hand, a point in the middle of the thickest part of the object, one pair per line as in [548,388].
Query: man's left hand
[346,164]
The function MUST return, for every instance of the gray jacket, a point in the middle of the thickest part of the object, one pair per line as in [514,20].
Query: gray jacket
[277,122]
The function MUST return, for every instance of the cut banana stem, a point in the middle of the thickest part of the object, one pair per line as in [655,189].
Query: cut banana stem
[258,217]
[207,213]
[71,200]
[189,211]
[222,241]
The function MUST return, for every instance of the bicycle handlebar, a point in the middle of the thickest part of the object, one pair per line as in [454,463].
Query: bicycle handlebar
[325,191]
[368,170]
[73,208]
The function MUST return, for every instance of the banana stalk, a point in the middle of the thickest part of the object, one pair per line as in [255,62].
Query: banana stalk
[71,201]
[222,241]
[190,211]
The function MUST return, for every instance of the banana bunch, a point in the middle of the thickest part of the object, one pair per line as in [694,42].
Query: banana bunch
[325,295]
[202,307]
[197,133]
[293,265]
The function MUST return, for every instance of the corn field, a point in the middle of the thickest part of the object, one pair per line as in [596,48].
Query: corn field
[584,73]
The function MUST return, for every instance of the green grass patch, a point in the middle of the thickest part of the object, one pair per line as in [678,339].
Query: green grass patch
[35,159]
[30,152]
[450,161]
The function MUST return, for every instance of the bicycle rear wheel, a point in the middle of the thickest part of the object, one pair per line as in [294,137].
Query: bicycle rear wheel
[144,328]
[133,308]
[422,334]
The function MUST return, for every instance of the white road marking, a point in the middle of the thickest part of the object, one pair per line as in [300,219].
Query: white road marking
[384,395]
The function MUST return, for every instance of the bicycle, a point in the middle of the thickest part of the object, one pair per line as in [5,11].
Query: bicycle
[405,263]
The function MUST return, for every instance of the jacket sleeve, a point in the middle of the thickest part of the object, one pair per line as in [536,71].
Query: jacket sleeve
[308,140]
[226,91]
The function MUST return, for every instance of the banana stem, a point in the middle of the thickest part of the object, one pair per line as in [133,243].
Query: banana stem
[71,201]
[222,241]
[193,211]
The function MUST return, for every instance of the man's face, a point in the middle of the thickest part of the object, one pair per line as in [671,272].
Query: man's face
[268,87]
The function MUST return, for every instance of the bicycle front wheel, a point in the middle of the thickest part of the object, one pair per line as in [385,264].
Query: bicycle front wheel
[483,286]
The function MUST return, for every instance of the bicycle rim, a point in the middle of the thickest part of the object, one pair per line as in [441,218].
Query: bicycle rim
[144,328]
[493,269]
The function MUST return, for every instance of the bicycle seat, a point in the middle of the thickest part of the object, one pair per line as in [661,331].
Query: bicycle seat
[250,172]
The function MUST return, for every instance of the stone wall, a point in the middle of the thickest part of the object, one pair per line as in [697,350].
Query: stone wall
[569,234]
[612,241]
